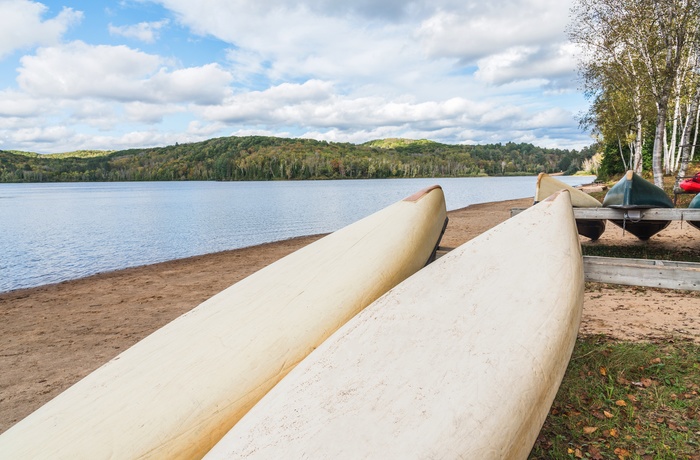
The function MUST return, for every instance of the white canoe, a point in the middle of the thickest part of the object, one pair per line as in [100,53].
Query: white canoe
[461,360]
[178,391]
[547,186]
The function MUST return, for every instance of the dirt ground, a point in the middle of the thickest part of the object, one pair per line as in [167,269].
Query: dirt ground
[52,336]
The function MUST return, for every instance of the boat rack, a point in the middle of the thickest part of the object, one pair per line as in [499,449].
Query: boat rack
[666,274]
[631,214]
[639,272]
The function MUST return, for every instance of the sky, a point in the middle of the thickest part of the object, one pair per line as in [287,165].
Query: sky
[85,75]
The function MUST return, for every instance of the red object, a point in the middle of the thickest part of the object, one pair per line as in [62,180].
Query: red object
[692,184]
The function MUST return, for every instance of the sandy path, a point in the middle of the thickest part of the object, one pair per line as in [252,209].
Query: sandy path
[52,336]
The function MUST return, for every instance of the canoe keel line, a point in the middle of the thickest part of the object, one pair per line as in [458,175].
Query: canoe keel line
[178,391]
[461,360]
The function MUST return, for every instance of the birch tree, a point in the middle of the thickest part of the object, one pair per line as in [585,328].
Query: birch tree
[657,38]
[610,70]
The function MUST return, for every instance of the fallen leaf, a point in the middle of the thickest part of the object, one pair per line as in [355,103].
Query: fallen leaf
[589,429]
[647,383]
[623,381]
[620,403]
[595,453]
[622,453]
[655,361]
[608,414]
[613,433]
[603,371]
[632,398]
[578,453]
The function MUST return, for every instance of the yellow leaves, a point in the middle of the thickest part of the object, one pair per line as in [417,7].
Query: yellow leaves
[589,429]
[655,361]
[607,414]
[603,371]
[622,453]
[576,452]
[620,402]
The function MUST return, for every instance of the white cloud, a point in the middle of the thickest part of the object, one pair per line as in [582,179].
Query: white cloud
[39,135]
[118,73]
[22,26]
[140,112]
[480,29]
[17,104]
[80,70]
[147,32]
[526,63]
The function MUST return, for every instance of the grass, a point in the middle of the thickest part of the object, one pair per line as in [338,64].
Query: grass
[623,400]
[640,252]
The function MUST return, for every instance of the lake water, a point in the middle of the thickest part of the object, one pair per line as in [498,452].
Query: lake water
[60,231]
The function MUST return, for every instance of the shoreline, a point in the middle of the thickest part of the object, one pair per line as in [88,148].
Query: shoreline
[53,335]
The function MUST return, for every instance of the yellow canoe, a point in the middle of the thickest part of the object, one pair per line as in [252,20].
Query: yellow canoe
[178,391]
[461,360]
[548,185]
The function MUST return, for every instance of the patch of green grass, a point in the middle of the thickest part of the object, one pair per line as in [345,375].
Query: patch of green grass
[623,400]
[639,252]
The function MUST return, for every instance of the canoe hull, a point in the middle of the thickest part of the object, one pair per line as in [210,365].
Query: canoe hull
[462,360]
[178,391]
[590,228]
[642,229]
[633,192]
[691,185]
[548,185]
[695,204]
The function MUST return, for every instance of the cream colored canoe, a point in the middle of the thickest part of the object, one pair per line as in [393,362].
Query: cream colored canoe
[547,186]
[461,360]
[178,391]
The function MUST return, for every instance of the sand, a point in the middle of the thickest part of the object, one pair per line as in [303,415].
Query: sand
[52,336]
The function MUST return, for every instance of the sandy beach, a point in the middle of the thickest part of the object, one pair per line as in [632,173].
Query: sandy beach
[52,336]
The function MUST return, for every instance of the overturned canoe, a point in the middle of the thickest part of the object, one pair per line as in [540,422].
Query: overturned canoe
[632,192]
[547,186]
[695,204]
[178,391]
[461,360]
[691,184]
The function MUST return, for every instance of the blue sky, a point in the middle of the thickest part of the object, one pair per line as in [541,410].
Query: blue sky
[139,73]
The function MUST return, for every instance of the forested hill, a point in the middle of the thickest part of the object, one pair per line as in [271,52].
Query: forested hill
[273,158]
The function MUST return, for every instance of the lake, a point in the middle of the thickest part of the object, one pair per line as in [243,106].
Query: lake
[60,231]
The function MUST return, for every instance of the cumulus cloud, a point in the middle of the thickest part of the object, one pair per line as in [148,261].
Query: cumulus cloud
[147,32]
[140,112]
[22,25]
[528,62]
[78,70]
[17,104]
[480,29]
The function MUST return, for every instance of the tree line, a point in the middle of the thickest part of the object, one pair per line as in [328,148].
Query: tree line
[272,158]
[641,70]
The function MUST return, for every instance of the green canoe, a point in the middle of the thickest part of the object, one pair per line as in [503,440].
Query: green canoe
[633,192]
[695,204]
